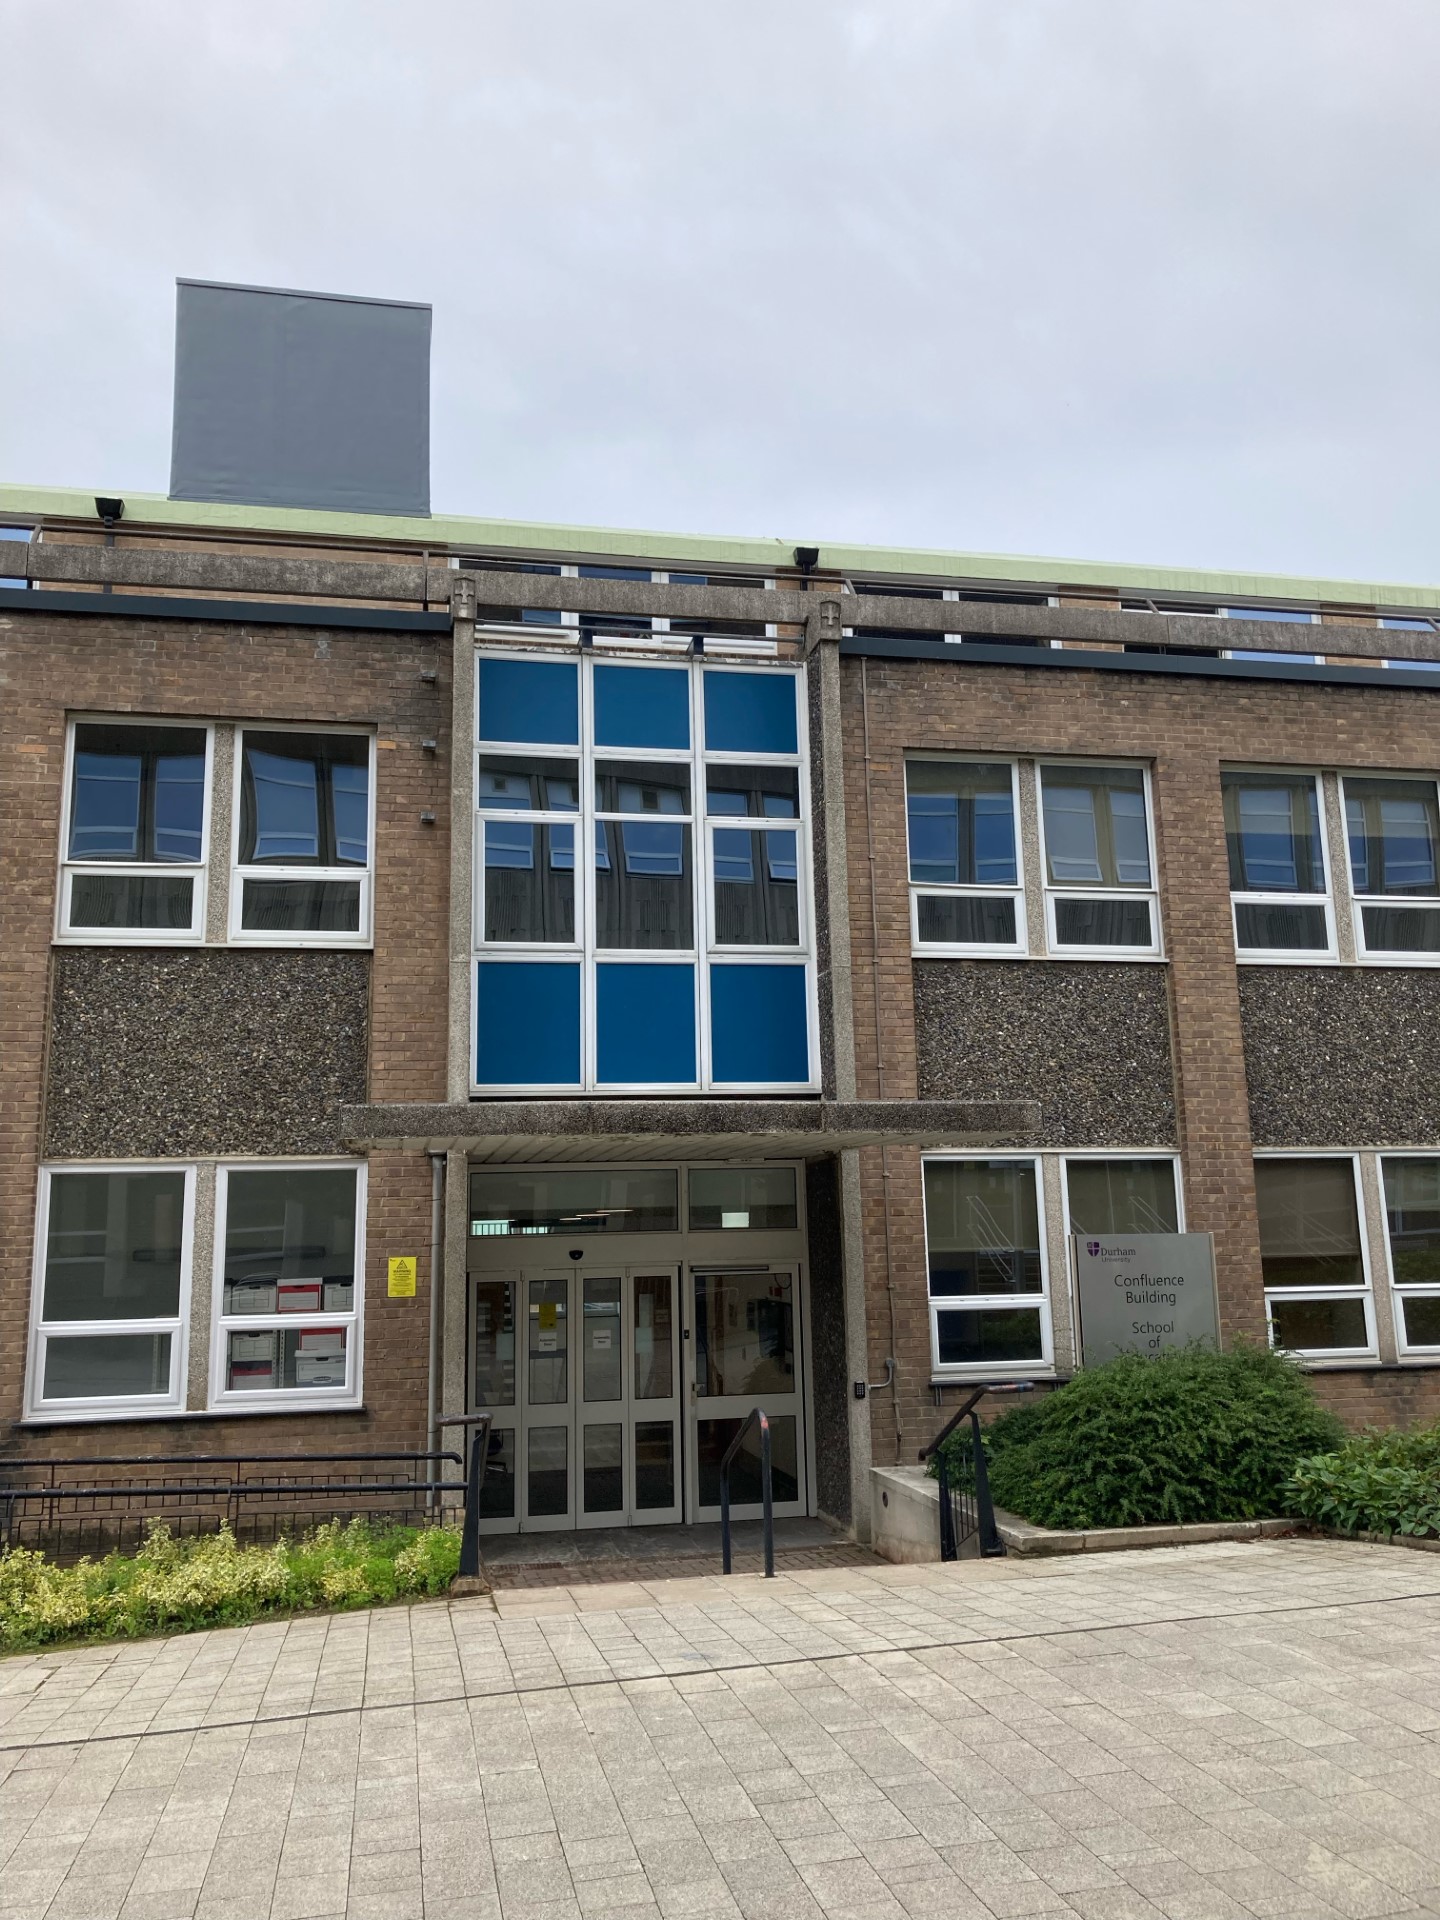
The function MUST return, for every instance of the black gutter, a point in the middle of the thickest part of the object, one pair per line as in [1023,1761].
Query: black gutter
[248,613]
[1196,666]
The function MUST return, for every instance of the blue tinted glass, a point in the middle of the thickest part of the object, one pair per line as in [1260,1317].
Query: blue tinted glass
[541,617]
[1407,626]
[511,844]
[758,1031]
[179,805]
[527,1024]
[614,573]
[750,713]
[529,700]
[105,822]
[350,793]
[287,806]
[1268,613]
[1260,653]
[642,707]
[1413,666]
[645,1025]
[733,859]
[782,856]
[652,847]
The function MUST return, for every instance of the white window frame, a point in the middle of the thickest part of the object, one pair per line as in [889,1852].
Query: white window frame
[983,1303]
[1065,1155]
[1053,892]
[705,950]
[1382,956]
[1334,1356]
[222,1325]
[1015,949]
[1288,956]
[248,937]
[1400,1292]
[108,1406]
[196,870]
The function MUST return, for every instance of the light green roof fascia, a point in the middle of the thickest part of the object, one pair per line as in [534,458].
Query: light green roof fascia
[442,531]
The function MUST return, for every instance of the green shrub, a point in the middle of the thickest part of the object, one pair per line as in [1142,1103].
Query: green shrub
[1374,1483]
[1187,1436]
[174,1585]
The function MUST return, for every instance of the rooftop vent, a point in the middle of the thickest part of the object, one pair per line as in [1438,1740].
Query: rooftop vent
[289,399]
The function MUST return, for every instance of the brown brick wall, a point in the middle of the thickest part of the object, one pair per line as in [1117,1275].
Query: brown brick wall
[1185,728]
[55,664]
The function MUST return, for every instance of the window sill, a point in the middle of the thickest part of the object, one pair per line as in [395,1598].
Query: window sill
[34,1422]
[1050,1375]
[1108,956]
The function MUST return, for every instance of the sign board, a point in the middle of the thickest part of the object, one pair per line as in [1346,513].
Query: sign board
[402,1277]
[1144,1293]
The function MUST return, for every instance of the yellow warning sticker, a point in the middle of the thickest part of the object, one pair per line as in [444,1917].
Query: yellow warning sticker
[547,1315]
[402,1277]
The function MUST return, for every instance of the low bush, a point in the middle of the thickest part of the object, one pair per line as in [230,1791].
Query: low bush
[1374,1483]
[174,1585]
[1188,1436]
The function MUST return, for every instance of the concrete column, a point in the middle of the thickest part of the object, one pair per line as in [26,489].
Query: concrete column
[202,1272]
[222,814]
[453,1314]
[459,1069]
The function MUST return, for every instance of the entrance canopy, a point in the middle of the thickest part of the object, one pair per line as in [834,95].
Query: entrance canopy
[537,1131]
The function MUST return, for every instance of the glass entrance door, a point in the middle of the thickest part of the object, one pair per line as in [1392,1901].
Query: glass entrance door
[587,1413]
[746,1326]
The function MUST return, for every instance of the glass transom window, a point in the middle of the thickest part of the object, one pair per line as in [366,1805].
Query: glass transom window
[642,874]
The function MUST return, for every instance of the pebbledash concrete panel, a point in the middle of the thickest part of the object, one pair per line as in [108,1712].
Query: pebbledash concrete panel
[1342,1056]
[203,1051]
[1090,1042]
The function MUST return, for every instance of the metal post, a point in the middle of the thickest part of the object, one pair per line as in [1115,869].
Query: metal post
[766,1498]
[948,1549]
[725,1516]
[991,1545]
[470,1532]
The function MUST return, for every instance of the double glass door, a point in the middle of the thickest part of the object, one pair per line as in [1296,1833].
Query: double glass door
[582,1372]
[744,1323]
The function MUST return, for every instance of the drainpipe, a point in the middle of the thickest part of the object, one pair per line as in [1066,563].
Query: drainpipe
[437,1191]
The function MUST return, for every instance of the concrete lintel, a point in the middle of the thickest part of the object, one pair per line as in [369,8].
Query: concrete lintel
[60,564]
[689,1129]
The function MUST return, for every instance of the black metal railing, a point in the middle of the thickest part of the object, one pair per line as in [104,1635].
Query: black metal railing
[966,1509]
[755,1416]
[74,1504]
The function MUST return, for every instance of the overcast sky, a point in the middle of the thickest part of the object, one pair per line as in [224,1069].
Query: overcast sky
[1124,279]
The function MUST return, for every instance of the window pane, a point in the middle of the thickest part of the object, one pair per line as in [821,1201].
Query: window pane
[1109,1197]
[1412,1218]
[1309,1232]
[980,1337]
[548,1488]
[527,1023]
[713,1437]
[757,891]
[97,1366]
[494,1343]
[965,919]
[1401,929]
[642,706]
[962,824]
[767,793]
[1103,923]
[300,906]
[497,1487]
[750,712]
[137,793]
[604,1467]
[304,799]
[596,1200]
[1318,1325]
[549,1342]
[654,1336]
[114,1246]
[132,900]
[535,700]
[284,1359]
[531,786]
[292,1230]
[982,1226]
[1095,826]
[1270,926]
[1394,830]
[722,1197]
[644,898]
[744,1334]
[758,1030]
[529,881]
[645,1025]
[1422,1320]
[647,788]
[1272,833]
[654,1463]
[601,1349]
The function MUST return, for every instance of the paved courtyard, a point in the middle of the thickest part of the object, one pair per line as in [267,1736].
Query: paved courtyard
[1202,1734]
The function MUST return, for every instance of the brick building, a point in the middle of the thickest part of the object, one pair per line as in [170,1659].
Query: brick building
[616,979]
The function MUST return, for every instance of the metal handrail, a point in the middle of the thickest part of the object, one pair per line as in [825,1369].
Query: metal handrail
[479,1449]
[767,1502]
[992,1547]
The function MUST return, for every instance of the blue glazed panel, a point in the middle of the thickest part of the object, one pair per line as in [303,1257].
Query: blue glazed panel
[758,1029]
[750,713]
[529,700]
[642,707]
[645,1025]
[527,1024]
